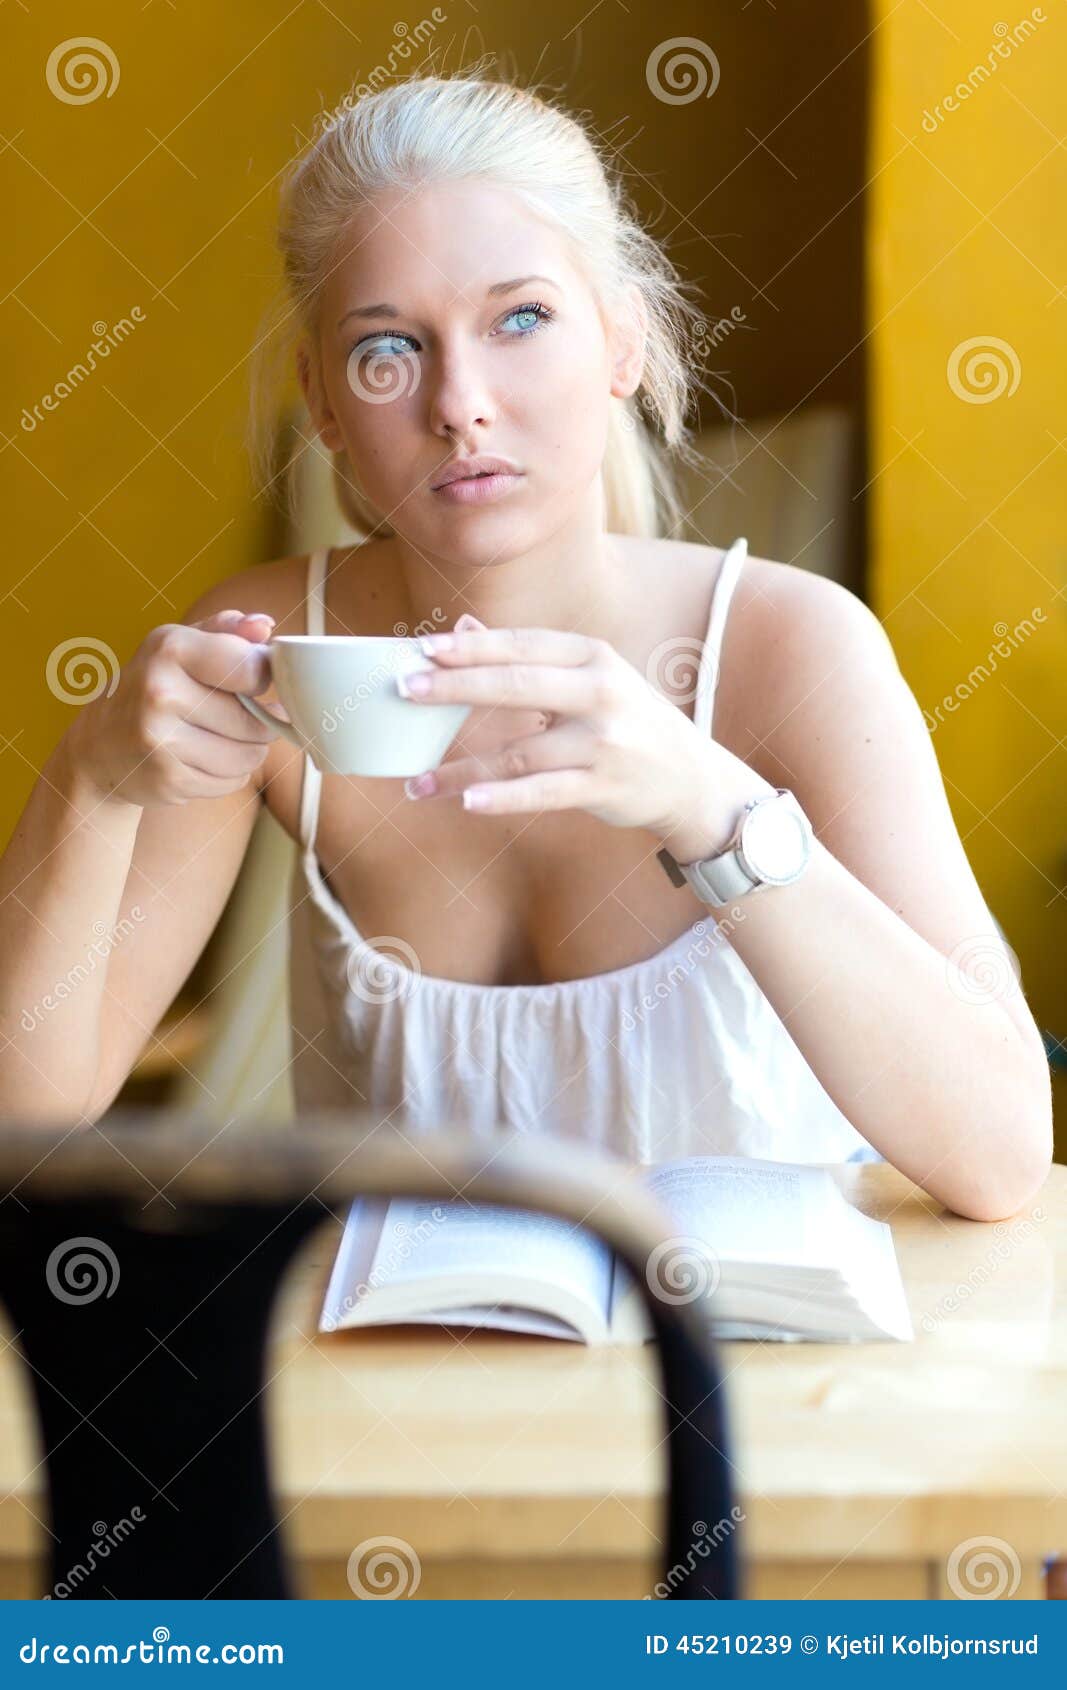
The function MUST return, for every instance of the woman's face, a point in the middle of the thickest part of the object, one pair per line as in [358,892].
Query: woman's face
[426,357]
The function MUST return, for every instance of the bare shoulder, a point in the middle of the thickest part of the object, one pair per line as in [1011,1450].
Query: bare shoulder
[278,588]
[786,630]
[796,645]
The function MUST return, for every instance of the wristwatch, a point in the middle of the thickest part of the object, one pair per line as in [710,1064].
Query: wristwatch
[771,846]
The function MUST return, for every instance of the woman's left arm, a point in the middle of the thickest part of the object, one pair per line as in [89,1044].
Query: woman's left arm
[882,960]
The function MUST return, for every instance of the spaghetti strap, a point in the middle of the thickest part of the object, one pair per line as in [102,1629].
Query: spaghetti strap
[708,672]
[311,780]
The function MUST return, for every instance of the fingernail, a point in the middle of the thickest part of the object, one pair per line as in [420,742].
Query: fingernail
[431,644]
[421,786]
[467,621]
[474,798]
[414,685]
[261,616]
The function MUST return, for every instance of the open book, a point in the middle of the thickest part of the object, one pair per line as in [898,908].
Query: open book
[772,1249]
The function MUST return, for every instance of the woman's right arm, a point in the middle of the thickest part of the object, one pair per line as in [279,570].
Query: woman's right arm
[122,862]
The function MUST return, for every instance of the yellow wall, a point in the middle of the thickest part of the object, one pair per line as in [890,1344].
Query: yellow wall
[967,238]
[133,495]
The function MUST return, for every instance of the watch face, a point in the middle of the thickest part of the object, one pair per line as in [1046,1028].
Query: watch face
[774,841]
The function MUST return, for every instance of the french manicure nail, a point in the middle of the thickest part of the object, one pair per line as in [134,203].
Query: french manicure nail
[413,685]
[420,786]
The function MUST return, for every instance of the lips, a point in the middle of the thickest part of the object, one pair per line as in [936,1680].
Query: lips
[474,469]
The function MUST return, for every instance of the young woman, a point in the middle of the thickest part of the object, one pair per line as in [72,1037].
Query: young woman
[469,297]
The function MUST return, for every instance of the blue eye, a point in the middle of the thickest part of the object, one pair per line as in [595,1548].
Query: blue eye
[379,345]
[541,313]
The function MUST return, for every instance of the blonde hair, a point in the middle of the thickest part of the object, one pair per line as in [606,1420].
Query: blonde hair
[426,129]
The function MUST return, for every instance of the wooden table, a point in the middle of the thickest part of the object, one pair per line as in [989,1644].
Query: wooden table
[529,1467]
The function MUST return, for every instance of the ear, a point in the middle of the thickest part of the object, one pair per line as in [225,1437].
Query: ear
[307,370]
[629,339]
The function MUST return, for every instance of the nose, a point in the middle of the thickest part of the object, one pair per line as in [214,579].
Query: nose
[460,399]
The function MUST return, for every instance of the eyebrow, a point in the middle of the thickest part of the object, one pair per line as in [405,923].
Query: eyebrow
[386,310]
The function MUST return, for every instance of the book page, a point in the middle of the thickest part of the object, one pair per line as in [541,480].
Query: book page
[421,1240]
[749,1210]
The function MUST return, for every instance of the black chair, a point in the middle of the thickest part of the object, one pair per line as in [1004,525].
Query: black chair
[152,1380]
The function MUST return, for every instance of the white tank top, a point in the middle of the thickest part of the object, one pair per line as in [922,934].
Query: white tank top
[679,1055]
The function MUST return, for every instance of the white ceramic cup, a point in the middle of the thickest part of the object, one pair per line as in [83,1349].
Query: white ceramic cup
[344,709]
